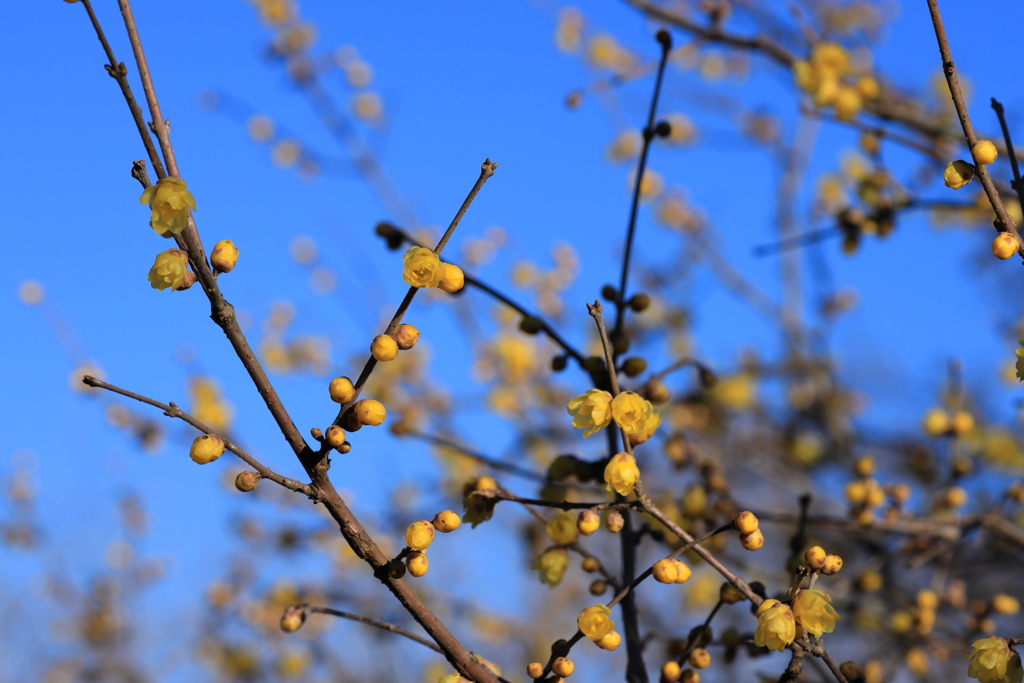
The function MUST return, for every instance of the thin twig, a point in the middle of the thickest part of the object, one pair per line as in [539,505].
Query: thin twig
[119,73]
[486,171]
[595,309]
[1014,166]
[172,410]
[665,40]
[1004,221]
[499,465]
[383,625]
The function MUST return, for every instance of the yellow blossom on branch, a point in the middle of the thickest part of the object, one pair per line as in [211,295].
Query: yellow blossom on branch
[776,626]
[551,564]
[596,622]
[562,528]
[170,269]
[422,268]
[992,661]
[169,200]
[591,411]
[633,413]
[813,611]
[621,473]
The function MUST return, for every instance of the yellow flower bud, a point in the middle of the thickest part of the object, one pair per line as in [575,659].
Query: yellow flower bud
[562,667]
[621,473]
[551,564]
[815,557]
[962,423]
[936,422]
[422,268]
[830,58]
[419,535]
[247,481]
[833,563]
[595,622]
[868,87]
[848,103]
[588,522]
[957,174]
[670,671]
[664,571]
[591,411]
[342,390]
[384,348]
[956,497]
[864,466]
[590,564]
[293,618]
[1005,245]
[984,152]
[454,279]
[776,626]
[613,521]
[610,641]
[1005,604]
[406,336]
[634,414]
[869,581]
[992,661]
[169,201]
[689,676]
[224,256]
[206,448]
[855,492]
[417,564]
[170,269]
[446,521]
[730,594]
[370,412]
[700,658]
[812,610]
[683,572]
[534,669]
[335,436]
[752,541]
[746,522]
[561,528]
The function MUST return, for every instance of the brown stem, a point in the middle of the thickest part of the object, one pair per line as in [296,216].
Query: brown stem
[383,625]
[1014,166]
[665,40]
[119,73]
[172,410]
[486,171]
[1004,221]
[595,310]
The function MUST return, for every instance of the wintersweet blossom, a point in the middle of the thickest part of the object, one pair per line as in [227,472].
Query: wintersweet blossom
[591,411]
[169,200]
[596,622]
[621,473]
[170,269]
[992,661]
[562,528]
[419,535]
[551,565]
[422,268]
[813,611]
[633,413]
[776,626]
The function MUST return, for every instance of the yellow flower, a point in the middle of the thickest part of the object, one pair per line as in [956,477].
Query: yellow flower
[992,661]
[169,201]
[479,509]
[417,563]
[224,256]
[206,448]
[419,535]
[957,174]
[647,430]
[551,564]
[588,522]
[591,411]
[813,611]
[632,412]
[422,268]
[596,622]
[562,528]
[776,626]
[621,473]
[370,412]
[169,270]
[454,279]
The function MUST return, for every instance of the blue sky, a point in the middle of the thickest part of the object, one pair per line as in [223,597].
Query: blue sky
[461,81]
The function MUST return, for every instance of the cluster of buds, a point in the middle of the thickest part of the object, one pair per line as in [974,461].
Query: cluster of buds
[365,411]
[385,347]
[818,561]
[671,571]
[423,268]
[672,672]
[940,422]
[747,524]
[828,76]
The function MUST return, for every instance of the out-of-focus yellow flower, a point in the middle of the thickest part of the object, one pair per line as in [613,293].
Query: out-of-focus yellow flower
[30,293]
[868,87]
[651,184]
[738,392]
[368,106]
[260,128]
[917,661]
[633,413]
[830,58]
[848,103]
[562,528]
[286,153]
[992,661]
[224,256]
[169,270]
[683,132]
[478,509]
[552,564]
[604,52]
[813,611]
[169,200]
[1005,604]
[596,622]
[621,473]
[419,535]
[625,146]
[569,30]
[591,411]
[422,268]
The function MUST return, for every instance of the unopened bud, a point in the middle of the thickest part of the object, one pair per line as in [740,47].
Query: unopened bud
[614,521]
[406,336]
[293,618]
[247,481]
[335,436]
[224,256]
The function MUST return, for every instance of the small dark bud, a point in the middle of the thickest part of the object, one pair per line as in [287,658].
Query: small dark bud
[609,293]
[664,38]
[663,129]
[530,325]
[558,363]
[634,366]
[639,302]
[620,343]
